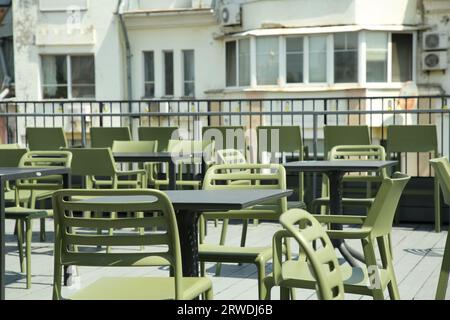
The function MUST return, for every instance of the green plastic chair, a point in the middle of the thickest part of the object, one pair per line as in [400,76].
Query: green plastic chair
[103,137]
[371,279]
[354,152]
[441,168]
[226,137]
[46,139]
[138,147]
[206,148]
[345,135]
[161,134]
[320,262]
[215,179]
[416,138]
[162,248]
[25,216]
[98,168]
[290,144]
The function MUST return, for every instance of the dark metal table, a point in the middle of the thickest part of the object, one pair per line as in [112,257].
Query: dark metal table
[8,174]
[335,171]
[189,204]
[166,157]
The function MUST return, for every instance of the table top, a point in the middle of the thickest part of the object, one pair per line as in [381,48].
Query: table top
[206,200]
[338,165]
[153,156]
[23,173]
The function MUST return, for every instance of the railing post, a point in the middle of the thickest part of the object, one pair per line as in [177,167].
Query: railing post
[315,144]
[83,131]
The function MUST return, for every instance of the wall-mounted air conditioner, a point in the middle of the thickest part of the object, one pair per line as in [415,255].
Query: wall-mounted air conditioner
[435,41]
[230,14]
[434,60]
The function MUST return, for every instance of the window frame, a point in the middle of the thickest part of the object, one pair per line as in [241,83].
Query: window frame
[163,66]
[284,55]
[68,57]
[183,80]
[144,81]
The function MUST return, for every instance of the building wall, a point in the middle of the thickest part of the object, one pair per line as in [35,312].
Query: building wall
[37,32]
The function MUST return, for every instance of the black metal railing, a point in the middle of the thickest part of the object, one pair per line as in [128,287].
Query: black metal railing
[311,114]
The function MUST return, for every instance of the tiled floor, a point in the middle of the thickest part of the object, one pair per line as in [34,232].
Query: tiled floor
[417,255]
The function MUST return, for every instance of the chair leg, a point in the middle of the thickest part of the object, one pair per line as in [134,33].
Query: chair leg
[269,284]
[29,232]
[43,236]
[437,206]
[223,236]
[210,294]
[261,266]
[443,276]
[284,293]
[19,224]
[244,232]
[384,245]
[371,262]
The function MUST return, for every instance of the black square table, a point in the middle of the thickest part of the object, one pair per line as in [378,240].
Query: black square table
[8,174]
[189,204]
[166,157]
[335,171]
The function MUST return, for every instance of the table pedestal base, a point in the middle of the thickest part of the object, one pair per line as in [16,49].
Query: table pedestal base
[188,232]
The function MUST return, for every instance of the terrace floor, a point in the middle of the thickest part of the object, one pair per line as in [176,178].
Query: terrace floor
[417,254]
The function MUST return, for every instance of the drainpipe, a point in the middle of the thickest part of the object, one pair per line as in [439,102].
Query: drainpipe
[123,27]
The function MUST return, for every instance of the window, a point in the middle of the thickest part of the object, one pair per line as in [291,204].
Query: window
[188,73]
[402,48]
[238,63]
[294,60]
[267,60]
[168,73]
[346,57]
[244,62]
[376,56]
[230,57]
[66,77]
[149,69]
[318,59]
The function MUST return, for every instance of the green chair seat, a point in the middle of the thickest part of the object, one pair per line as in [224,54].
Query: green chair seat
[298,274]
[26,213]
[363,202]
[142,288]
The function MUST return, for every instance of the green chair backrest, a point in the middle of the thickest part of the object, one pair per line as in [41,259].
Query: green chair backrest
[441,168]
[44,159]
[163,135]
[321,259]
[344,135]
[283,139]
[259,176]
[92,162]
[381,214]
[162,248]
[205,147]
[135,146]
[411,138]
[11,157]
[363,152]
[103,137]
[230,156]
[226,137]
[46,139]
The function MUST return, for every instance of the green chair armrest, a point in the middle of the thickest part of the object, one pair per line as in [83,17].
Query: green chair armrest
[350,234]
[131,172]
[340,219]
[277,258]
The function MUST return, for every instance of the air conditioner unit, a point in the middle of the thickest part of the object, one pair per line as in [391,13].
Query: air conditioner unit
[435,41]
[434,60]
[230,14]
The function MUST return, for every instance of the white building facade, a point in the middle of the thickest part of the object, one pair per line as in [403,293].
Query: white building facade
[155,49]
